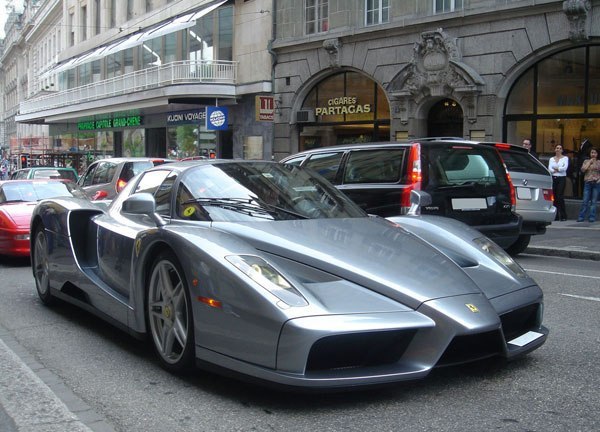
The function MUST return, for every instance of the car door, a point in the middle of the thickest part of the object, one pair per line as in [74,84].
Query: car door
[116,234]
[372,179]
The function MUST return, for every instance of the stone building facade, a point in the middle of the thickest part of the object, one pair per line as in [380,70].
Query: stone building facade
[487,70]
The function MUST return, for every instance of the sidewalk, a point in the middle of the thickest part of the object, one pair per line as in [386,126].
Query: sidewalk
[569,239]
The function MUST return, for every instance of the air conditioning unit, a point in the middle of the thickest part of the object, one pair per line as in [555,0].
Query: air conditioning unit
[305,116]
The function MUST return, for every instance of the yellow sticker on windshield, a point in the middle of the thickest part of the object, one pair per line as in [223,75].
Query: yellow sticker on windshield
[188,211]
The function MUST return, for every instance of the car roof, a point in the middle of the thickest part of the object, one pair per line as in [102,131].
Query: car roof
[133,159]
[386,144]
[42,180]
[505,146]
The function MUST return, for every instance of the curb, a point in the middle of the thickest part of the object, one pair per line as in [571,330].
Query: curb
[565,253]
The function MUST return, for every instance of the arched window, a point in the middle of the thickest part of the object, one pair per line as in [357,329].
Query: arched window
[557,101]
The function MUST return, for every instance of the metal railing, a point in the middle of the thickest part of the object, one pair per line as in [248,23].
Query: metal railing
[179,72]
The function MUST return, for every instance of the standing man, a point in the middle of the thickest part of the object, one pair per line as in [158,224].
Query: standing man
[527,145]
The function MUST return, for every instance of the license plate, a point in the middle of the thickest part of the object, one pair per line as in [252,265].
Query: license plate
[523,193]
[526,338]
[469,204]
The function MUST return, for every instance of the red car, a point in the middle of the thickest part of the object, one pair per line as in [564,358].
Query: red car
[17,201]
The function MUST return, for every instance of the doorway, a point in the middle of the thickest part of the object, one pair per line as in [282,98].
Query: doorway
[445,119]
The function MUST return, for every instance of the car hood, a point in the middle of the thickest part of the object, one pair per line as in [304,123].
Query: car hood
[371,252]
[19,213]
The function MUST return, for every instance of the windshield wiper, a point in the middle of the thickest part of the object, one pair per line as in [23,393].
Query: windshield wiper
[273,207]
[245,205]
[240,205]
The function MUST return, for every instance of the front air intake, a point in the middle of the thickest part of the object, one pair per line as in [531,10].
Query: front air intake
[358,350]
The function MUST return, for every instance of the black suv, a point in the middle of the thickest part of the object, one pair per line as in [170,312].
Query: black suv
[466,180]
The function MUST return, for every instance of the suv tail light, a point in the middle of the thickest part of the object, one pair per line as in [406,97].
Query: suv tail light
[513,194]
[120,185]
[548,195]
[415,176]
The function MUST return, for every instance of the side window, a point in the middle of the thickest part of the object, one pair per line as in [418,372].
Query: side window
[104,173]
[159,184]
[131,169]
[374,166]
[296,161]
[523,162]
[89,175]
[326,164]
[151,181]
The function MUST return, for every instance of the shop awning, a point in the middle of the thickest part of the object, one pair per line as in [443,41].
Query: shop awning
[165,28]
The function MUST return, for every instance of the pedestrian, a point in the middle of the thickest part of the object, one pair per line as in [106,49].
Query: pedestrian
[558,165]
[582,154]
[4,168]
[527,145]
[591,186]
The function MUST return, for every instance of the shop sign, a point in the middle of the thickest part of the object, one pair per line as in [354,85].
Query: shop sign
[265,108]
[217,118]
[109,123]
[186,117]
[343,105]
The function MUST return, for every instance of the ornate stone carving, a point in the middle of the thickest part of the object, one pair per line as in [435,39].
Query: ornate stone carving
[577,12]
[436,69]
[332,46]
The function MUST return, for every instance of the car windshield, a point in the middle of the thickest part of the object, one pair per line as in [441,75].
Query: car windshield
[35,191]
[243,191]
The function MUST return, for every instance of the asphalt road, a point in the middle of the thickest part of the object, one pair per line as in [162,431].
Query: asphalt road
[72,371]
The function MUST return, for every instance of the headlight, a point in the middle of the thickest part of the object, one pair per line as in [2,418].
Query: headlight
[499,255]
[268,277]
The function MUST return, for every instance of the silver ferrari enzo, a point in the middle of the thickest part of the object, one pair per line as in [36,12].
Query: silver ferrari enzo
[267,271]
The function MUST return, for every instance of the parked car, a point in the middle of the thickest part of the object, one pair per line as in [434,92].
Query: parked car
[533,185]
[17,201]
[267,270]
[104,178]
[467,181]
[47,172]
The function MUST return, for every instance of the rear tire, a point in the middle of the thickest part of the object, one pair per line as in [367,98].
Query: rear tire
[169,314]
[520,245]
[40,266]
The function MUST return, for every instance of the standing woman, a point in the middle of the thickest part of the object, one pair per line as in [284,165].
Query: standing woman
[558,165]
[591,186]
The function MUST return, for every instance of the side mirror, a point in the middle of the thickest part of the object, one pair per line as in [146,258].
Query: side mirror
[418,199]
[142,204]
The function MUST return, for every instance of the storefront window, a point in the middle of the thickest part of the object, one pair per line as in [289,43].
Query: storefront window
[521,96]
[559,111]
[133,143]
[561,83]
[348,108]
[594,85]
[191,140]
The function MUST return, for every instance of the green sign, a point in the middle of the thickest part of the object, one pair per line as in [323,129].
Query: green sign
[117,122]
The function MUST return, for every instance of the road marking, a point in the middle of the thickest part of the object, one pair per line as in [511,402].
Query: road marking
[581,297]
[562,274]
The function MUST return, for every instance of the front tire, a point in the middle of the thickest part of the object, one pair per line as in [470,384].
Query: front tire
[41,266]
[520,245]
[169,314]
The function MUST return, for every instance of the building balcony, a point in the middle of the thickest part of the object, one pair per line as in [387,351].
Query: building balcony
[208,73]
